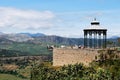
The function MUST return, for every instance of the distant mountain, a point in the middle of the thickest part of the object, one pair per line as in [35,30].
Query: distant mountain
[1,33]
[39,38]
[5,41]
[17,37]
[33,35]
[114,37]
[60,40]
[35,44]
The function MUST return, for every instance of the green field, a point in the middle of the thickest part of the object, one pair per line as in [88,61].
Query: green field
[10,77]
[26,48]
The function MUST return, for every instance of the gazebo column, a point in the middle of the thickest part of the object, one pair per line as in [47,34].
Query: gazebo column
[104,39]
[85,38]
[90,39]
[95,39]
[99,41]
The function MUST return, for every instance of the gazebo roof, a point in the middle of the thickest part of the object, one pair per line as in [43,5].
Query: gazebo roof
[95,25]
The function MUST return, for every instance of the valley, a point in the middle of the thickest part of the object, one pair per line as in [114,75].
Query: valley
[21,52]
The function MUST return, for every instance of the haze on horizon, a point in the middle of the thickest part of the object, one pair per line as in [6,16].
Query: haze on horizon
[65,18]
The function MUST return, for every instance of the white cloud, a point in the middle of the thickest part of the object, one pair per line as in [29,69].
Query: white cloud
[77,21]
[25,19]
[70,24]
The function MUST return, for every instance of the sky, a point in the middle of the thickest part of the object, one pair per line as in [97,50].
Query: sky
[65,18]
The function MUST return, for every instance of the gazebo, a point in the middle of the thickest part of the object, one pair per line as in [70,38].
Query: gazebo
[95,36]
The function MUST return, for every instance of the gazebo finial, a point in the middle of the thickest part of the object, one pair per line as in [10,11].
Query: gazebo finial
[95,19]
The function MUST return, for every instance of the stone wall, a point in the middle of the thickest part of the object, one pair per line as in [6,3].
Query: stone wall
[65,56]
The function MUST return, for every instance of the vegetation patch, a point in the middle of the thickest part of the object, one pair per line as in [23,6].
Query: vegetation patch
[101,70]
[9,77]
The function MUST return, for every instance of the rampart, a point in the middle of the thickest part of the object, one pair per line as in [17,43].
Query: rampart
[65,56]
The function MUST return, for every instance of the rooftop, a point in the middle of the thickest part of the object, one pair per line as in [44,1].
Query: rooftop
[95,25]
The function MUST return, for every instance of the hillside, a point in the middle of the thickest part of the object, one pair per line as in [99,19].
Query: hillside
[60,40]
[24,49]
[101,70]
[36,44]
[31,44]
[9,77]
[39,37]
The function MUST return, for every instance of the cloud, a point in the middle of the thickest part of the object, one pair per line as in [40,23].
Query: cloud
[70,24]
[77,21]
[25,19]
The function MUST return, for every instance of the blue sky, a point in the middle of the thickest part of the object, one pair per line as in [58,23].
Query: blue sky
[66,18]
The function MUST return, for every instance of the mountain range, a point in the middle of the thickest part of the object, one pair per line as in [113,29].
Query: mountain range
[35,44]
[40,37]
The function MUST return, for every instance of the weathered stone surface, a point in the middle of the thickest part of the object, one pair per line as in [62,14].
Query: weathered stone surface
[65,56]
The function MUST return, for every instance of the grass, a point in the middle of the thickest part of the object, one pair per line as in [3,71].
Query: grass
[25,72]
[10,77]
[28,48]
